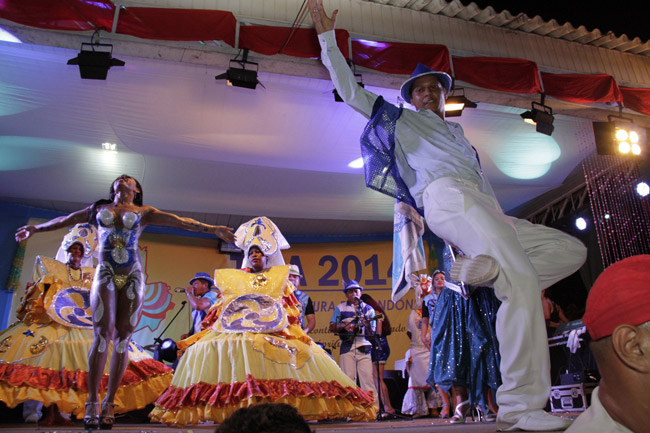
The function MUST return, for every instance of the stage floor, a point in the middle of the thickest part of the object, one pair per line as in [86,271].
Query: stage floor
[421,425]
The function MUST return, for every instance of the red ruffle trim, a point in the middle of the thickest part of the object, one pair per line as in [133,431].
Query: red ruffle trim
[226,394]
[43,378]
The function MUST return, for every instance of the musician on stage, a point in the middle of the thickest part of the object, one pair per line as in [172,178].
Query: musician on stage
[202,297]
[351,322]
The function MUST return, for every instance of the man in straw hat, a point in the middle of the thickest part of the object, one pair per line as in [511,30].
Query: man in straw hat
[617,318]
[427,162]
[307,315]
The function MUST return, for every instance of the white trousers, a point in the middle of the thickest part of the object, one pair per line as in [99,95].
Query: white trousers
[531,257]
[356,364]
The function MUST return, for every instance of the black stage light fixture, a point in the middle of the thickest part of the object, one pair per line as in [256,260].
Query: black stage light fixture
[456,102]
[95,59]
[541,116]
[241,77]
[618,136]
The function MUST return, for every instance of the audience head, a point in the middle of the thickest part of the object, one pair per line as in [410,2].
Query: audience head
[265,418]
[617,317]
[620,296]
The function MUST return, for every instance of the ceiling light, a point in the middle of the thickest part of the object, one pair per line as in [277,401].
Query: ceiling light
[456,102]
[541,116]
[357,163]
[96,59]
[109,146]
[241,77]
[642,189]
[581,223]
[618,136]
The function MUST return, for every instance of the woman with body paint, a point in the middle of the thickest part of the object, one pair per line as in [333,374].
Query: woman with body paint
[117,292]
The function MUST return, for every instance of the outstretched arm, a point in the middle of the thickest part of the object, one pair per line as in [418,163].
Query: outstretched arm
[160,218]
[80,216]
[342,77]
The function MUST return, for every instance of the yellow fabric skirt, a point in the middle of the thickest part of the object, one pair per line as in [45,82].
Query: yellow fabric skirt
[223,372]
[49,363]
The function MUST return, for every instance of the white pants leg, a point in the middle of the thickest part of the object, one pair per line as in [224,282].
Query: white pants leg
[458,212]
[355,363]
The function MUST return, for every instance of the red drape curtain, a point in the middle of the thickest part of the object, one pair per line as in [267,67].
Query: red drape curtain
[178,24]
[582,88]
[74,15]
[636,99]
[297,42]
[495,73]
[399,58]
[498,73]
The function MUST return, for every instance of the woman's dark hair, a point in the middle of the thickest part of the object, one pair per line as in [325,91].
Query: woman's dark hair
[137,198]
[265,418]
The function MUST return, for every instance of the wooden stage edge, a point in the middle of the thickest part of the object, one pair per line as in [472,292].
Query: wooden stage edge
[420,425]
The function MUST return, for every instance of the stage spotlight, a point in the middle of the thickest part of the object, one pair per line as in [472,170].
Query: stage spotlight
[642,189]
[457,102]
[241,77]
[541,116]
[96,59]
[168,350]
[581,223]
[618,136]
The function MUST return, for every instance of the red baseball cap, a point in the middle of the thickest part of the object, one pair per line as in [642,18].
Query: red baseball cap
[620,295]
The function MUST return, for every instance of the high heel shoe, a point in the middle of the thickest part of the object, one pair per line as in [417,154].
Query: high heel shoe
[460,413]
[91,416]
[107,417]
[444,411]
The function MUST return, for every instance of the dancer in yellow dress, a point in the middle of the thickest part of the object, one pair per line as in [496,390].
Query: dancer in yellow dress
[256,352]
[44,356]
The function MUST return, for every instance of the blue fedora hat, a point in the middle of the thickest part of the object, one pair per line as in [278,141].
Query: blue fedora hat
[203,276]
[422,70]
[352,284]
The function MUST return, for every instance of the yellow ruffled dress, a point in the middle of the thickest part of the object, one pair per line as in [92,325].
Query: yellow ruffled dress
[44,356]
[256,352]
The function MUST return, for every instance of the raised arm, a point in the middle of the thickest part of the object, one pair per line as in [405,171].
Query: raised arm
[160,218]
[342,77]
[80,216]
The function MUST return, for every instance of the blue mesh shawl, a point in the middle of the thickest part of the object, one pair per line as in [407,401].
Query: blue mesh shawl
[378,152]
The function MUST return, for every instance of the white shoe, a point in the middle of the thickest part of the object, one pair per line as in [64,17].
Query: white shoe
[475,271]
[536,421]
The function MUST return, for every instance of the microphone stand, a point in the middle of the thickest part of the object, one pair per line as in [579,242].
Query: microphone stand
[374,337]
[157,340]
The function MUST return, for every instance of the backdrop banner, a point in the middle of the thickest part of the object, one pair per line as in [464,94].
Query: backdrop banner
[170,261]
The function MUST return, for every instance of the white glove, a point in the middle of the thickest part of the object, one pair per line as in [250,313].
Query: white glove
[573,341]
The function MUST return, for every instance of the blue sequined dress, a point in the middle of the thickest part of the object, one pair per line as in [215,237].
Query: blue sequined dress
[464,347]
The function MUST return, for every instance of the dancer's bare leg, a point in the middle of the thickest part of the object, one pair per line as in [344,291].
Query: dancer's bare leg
[129,308]
[102,304]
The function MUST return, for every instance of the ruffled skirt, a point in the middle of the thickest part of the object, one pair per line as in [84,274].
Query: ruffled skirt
[49,363]
[223,372]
